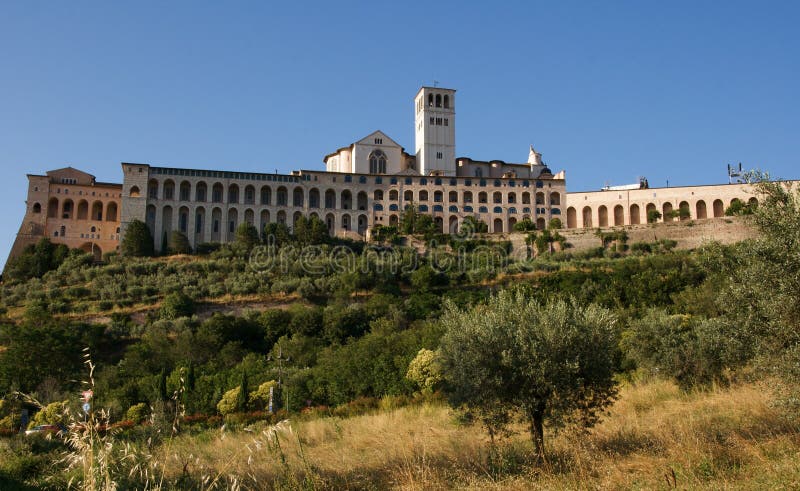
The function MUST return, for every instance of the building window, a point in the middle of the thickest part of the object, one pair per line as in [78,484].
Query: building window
[433,120]
[439,155]
[377,162]
[378,141]
[446,122]
[438,121]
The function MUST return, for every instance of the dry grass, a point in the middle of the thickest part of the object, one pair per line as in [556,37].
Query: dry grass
[655,437]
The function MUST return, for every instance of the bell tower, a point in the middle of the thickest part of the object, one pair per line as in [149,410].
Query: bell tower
[435,131]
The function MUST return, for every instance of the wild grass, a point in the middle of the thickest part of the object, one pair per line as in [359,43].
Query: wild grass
[654,437]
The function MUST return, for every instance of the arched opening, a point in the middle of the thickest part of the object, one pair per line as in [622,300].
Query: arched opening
[452,197]
[134,192]
[572,218]
[753,202]
[497,226]
[602,216]
[250,216]
[439,223]
[635,218]
[37,208]
[298,197]
[282,196]
[97,210]
[467,196]
[200,192]
[541,223]
[152,189]
[423,195]
[263,221]
[166,227]
[511,222]
[330,221]
[313,198]
[67,209]
[83,210]
[249,195]
[347,202]
[497,197]
[719,208]
[619,216]
[555,199]
[150,219]
[111,212]
[330,199]
[393,220]
[346,222]
[216,225]
[512,198]
[199,225]
[362,224]
[183,220]
[587,217]
[393,195]
[281,216]
[93,249]
[447,101]
[266,195]
[408,196]
[216,193]
[430,100]
[540,198]
[666,212]
[438,100]
[169,189]
[648,209]
[526,198]
[295,218]
[452,224]
[438,196]
[482,197]
[685,213]
[233,222]
[233,193]
[377,195]
[700,210]
[361,200]
[185,191]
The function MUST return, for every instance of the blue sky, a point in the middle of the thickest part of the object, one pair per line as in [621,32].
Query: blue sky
[606,90]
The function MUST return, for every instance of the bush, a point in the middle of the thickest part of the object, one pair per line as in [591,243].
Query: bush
[175,305]
[138,241]
[179,243]
[138,412]
[229,402]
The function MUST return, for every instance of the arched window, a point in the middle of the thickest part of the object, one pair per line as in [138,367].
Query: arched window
[37,208]
[430,100]
[438,100]
[447,101]
[377,162]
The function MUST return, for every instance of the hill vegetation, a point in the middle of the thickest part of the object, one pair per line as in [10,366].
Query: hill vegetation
[362,346]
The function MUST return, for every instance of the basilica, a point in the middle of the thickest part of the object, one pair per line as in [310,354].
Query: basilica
[364,184]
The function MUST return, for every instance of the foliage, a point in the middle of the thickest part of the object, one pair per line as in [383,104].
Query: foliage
[549,361]
[524,225]
[179,243]
[137,412]
[177,304]
[691,350]
[260,397]
[739,208]
[472,225]
[36,259]
[653,216]
[52,414]
[246,236]
[425,370]
[229,403]
[138,241]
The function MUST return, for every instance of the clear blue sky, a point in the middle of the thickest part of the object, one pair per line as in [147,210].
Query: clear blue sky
[606,90]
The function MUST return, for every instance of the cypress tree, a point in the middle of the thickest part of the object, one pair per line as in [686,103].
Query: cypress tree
[241,400]
[138,240]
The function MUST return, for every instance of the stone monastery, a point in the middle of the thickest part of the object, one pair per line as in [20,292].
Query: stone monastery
[364,184]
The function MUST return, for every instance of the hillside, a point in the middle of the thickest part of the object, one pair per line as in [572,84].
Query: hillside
[660,353]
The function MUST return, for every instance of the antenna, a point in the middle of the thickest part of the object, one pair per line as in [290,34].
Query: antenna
[733,172]
[435,83]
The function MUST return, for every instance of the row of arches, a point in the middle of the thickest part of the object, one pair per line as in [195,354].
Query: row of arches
[67,210]
[636,214]
[213,225]
[497,197]
[496,226]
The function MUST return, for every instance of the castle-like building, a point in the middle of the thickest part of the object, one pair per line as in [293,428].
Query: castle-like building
[364,184]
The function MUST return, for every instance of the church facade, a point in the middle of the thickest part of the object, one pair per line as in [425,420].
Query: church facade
[367,183]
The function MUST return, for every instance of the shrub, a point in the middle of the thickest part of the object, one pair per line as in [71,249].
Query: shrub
[228,403]
[179,243]
[138,412]
[175,305]
[138,241]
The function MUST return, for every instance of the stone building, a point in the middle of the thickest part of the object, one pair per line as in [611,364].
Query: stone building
[70,207]
[367,183]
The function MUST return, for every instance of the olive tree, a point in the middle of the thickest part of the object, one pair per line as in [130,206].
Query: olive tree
[548,362]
